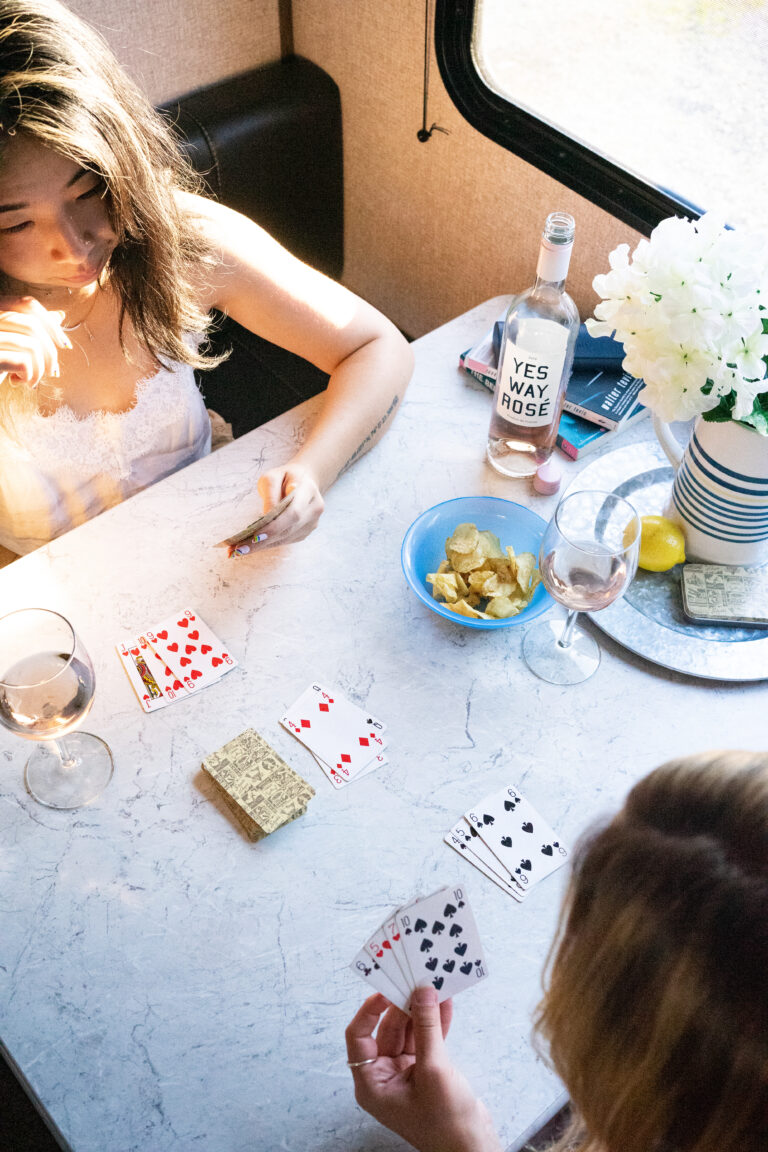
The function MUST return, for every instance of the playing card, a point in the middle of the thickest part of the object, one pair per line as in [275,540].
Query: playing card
[170,683]
[441,942]
[467,842]
[252,830]
[268,791]
[395,937]
[340,780]
[370,971]
[258,524]
[191,649]
[148,681]
[335,730]
[379,948]
[518,836]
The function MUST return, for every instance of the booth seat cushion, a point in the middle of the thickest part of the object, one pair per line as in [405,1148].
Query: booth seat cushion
[268,144]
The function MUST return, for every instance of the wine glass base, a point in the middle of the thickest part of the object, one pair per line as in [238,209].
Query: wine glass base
[555,664]
[75,784]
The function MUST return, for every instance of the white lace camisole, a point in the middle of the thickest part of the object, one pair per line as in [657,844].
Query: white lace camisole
[58,471]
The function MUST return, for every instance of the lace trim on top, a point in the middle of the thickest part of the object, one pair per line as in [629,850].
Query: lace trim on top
[111,442]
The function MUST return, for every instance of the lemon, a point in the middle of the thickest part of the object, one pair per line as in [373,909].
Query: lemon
[662,544]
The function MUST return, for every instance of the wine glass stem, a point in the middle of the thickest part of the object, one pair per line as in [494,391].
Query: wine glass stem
[62,752]
[567,634]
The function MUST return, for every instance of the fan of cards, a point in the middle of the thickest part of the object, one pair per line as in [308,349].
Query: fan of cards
[346,741]
[433,940]
[507,840]
[176,658]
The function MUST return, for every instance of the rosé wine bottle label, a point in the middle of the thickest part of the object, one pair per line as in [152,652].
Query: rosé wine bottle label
[528,382]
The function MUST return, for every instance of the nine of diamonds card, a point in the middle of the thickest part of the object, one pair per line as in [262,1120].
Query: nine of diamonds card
[433,940]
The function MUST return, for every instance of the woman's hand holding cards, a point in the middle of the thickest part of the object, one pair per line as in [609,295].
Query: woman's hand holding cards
[292,491]
[411,1086]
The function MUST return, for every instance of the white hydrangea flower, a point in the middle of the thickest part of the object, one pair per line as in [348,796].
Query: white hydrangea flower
[687,306]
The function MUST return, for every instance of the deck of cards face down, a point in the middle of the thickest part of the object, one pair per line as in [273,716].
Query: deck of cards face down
[346,741]
[506,839]
[175,659]
[259,788]
[433,940]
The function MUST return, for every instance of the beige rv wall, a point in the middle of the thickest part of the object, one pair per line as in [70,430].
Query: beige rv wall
[432,229]
[171,47]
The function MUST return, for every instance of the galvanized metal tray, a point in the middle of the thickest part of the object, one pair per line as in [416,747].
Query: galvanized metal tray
[649,619]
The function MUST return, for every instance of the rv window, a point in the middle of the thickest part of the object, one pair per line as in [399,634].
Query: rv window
[645,107]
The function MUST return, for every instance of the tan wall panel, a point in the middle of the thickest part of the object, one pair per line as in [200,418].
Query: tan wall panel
[174,46]
[432,229]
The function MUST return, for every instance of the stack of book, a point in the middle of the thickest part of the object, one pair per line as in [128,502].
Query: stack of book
[601,398]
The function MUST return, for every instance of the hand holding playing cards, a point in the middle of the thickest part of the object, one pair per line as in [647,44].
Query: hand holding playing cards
[412,1087]
[305,509]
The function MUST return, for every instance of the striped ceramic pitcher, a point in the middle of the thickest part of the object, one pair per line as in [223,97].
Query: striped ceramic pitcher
[720,493]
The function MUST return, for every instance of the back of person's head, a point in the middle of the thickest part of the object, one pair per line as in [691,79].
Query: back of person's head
[656,1009]
[61,85]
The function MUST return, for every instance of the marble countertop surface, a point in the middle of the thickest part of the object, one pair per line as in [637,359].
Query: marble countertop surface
[165,984]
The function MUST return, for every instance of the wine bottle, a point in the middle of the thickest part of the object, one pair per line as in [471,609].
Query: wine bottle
[537,348]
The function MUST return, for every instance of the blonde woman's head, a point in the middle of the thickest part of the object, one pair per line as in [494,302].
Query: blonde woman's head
[656,1006]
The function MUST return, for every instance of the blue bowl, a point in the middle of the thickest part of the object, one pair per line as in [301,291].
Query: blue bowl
[424,548]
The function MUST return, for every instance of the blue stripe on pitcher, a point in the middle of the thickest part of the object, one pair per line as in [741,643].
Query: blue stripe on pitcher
[762,484]
[717,527]
[698,493]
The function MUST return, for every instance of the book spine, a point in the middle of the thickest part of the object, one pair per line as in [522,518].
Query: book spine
[589,414]
[472,365]
[484,377]
[566,447]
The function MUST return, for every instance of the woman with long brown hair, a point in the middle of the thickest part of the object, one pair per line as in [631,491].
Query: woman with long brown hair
[655,1013]
[110,265]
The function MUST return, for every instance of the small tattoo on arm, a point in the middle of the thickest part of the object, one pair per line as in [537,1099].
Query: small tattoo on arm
[363,447]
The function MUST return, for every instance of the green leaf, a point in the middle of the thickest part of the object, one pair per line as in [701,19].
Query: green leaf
[757,420]
[723,411]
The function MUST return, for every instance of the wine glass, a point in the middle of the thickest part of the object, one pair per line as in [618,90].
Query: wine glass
[587,559]
[46,690]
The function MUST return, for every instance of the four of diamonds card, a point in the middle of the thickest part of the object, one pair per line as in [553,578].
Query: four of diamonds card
[506,839]
[176,658]
[346,741]
[433,940]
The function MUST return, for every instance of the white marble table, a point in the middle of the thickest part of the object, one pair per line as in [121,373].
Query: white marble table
[167,985]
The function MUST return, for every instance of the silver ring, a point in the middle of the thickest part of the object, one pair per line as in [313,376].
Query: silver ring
[359,1063]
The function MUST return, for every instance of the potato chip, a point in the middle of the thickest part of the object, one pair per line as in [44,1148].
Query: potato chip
[462,608]
[501,607]
[505,569]
[466,562]
[481,580]
[463,540]
[526,565]
[490,544]
[444,584]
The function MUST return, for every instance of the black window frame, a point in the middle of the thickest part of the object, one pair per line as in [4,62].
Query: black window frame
[626,196]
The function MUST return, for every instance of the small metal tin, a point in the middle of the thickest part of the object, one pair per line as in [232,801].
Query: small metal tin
[721,594]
